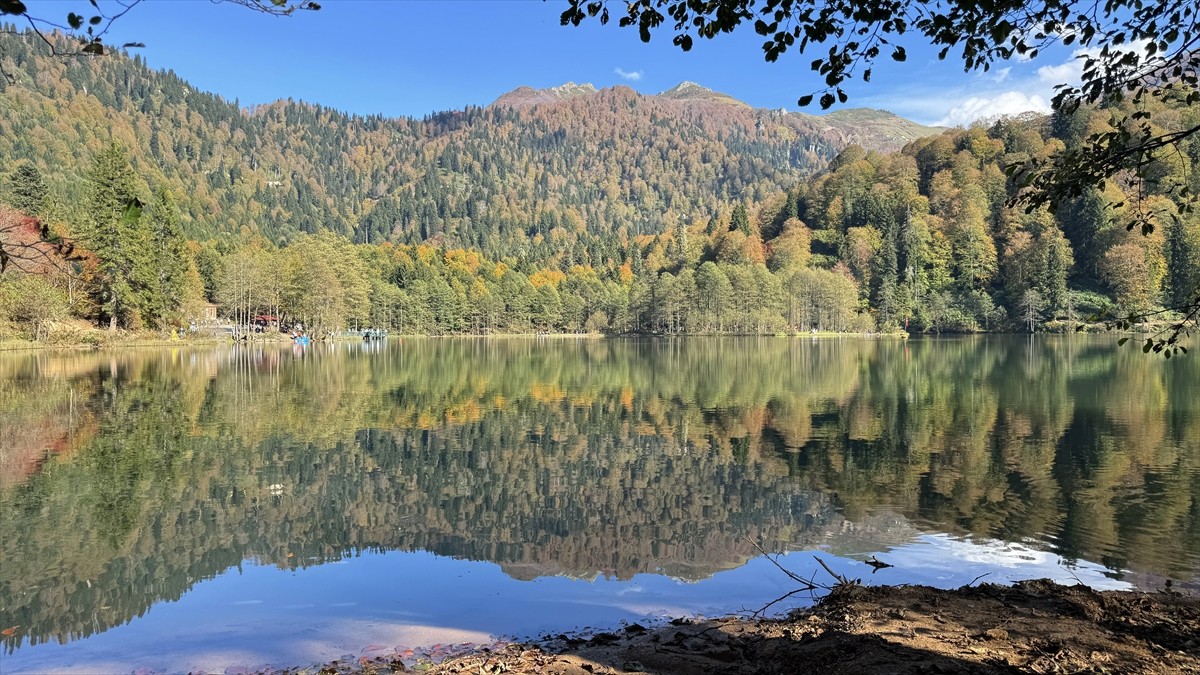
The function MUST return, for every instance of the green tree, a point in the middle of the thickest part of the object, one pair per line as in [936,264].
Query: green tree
[740,220]
[1183,260]
[117,234]
[27,190]
[1083,219]
[32,302]
[1058,261]
[714,296]
[170,259]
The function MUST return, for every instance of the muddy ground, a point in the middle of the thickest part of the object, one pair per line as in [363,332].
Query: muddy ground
[1032,627]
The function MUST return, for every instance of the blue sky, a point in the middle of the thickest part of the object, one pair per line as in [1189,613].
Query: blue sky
[413,57]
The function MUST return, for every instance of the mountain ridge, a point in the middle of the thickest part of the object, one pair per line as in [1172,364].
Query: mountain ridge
[570,171]
[874,129]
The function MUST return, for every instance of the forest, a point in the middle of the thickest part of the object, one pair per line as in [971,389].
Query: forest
[132,201]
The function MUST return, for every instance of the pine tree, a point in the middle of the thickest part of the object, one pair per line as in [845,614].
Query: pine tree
[1082,221]
[27,190]
[1183,257]
[168,250]
[740,220]
[116,233]
[1057,265]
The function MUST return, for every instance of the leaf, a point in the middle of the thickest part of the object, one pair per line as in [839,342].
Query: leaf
[1122,341]
[74,21]
[12,7]
[93,48]
[899,54]
[805,100]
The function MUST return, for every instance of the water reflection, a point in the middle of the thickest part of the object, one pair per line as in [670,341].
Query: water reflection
[126,478]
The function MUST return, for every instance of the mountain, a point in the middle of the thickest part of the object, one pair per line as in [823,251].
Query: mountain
[872,129]
[522,96]
[567,171]
[869,128]
[690,91]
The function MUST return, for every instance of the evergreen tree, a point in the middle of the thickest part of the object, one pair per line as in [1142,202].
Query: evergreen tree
[1058,262]
[27,190]
[1082,221]
[885,276]
[116,233]
[170,259]
[740,220]
[1183,261]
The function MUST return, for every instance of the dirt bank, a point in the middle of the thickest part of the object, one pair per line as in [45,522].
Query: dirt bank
[1033,627]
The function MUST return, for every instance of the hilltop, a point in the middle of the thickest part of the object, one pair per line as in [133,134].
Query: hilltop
[872,129]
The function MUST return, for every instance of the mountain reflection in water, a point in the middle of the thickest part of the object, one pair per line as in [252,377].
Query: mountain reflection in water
[128,477]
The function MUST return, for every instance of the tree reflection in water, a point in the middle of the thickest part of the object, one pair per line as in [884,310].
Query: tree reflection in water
[126,478]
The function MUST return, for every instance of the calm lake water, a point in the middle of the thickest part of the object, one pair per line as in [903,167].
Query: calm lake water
[213,508]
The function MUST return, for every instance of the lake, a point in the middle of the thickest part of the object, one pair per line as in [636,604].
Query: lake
[214,508]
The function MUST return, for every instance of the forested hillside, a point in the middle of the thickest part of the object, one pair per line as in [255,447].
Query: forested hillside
[498,178]
[565,209]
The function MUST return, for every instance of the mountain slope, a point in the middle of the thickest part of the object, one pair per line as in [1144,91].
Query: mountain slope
[540,173]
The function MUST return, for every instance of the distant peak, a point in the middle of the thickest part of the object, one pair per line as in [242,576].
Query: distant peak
[690,91]
[529,96]
[572,89]
[686,88]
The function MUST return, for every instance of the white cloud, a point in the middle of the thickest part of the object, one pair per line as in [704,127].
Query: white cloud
[1065,73]
[633,76]
[991,107]
[1010,90]
[1069,72]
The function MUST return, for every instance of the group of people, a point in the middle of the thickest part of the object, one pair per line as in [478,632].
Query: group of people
[300,337]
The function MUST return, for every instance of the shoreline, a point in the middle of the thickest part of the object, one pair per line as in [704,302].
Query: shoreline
[103,339]
[1033,626]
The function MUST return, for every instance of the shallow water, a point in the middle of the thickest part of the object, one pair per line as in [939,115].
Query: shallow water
[206,508]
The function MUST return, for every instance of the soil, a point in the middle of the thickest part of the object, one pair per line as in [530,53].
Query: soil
[1032,627]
